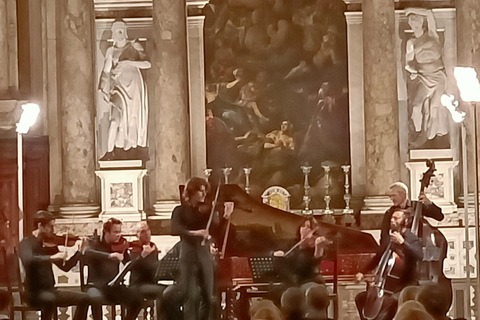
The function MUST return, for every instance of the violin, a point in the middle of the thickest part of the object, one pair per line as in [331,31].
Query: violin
[54,240]
[121,246]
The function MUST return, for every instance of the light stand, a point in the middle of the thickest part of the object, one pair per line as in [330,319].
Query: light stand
[469,87]
[28,118]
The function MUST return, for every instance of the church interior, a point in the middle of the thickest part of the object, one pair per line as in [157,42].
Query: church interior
[290,109]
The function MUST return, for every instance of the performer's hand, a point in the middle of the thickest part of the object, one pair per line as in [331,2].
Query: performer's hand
[228,209]
[278,253]
[116,256]
[397,238]
[147,249]
[423,198]
[201,233]
[62,255]
[321,240]
[359,277]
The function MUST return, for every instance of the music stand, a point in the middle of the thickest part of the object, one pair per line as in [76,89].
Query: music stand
[168,269]
[262,268]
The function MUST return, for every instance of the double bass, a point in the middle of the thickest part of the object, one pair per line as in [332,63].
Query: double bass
[434,243]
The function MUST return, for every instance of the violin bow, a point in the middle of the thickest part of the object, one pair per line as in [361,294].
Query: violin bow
[209,223]
[66,239]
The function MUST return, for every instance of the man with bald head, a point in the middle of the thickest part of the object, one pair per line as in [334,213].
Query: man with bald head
[398,193]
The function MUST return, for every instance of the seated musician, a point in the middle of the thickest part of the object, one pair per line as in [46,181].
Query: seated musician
[196,281]
[144,254]
[302,262]
[406,251]
[37,256]
[103,257]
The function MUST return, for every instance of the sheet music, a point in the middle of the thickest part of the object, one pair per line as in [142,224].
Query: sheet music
[120,273]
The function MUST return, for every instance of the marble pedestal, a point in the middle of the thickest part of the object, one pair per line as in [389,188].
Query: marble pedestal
[440,189]
[122,190]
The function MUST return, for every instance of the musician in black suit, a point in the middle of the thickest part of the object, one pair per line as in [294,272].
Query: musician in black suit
[38,257]
[398,192]
[197,275]
[407,250]
[103,257]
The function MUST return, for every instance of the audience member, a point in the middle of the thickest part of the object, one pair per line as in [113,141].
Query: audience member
[412,310]
[435,300]
[265,310]
[408,293]
[317,301]
[293,303]
[5,302]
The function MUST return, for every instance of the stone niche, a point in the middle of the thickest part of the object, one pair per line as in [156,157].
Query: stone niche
[122,189]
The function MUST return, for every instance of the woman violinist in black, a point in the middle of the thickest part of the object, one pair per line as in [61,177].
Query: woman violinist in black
[197,275]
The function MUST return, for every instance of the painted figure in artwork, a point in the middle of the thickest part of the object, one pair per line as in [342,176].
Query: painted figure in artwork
[428,118]
[123,88]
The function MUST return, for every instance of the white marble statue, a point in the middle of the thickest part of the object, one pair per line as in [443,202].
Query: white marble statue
[123,88]
[428,118]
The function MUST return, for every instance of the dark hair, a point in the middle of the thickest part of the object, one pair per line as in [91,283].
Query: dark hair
[313,224]
[107,226]
[193,185]
[434,298]
[43,217]
[5,299]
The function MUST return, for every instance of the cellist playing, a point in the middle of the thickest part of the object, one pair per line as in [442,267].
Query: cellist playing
[405,248]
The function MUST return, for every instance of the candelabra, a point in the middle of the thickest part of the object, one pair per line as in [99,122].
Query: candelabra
[327,198]
[226,172]
[347,196]
[207,172]
[247,179]
[306,186]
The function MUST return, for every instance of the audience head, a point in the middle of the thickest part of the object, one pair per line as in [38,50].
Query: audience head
[112,230]
[5,300]
[435,299]
[408,293]
[293,303]
[412,310]
[317,297]
[265,310]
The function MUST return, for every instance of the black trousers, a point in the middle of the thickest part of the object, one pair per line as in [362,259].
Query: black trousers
[388,310]
[197,285]
[47,301]
[131,300]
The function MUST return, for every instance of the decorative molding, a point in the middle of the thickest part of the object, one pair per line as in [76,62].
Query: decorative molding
[354,17]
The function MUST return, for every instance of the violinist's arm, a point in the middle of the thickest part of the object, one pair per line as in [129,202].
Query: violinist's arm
[28,255]
[69,264]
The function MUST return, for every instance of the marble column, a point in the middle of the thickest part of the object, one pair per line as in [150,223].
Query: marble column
[355,97]
[380,94]
[196,79]
[75,23]
[171,102]
[468,55]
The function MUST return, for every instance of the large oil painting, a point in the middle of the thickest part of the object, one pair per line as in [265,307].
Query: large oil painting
[276,91]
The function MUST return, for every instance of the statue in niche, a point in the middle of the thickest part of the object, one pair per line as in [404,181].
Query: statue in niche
[428,118]
[123,88]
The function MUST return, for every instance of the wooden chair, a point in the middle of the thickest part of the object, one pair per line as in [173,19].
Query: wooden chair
[15,285]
